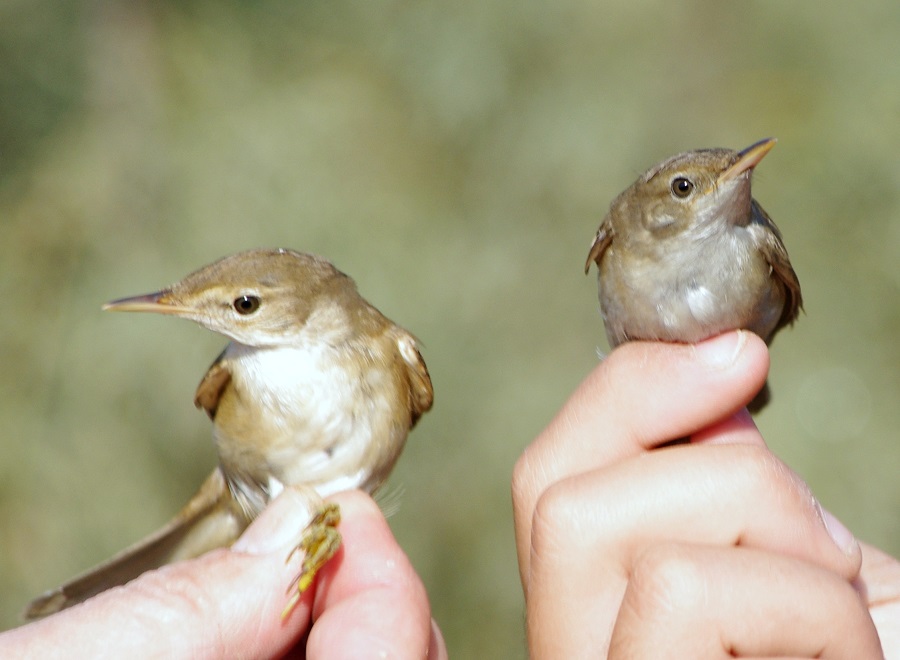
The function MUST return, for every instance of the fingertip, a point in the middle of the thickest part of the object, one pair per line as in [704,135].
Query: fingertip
[843,538]
[739,349]
[691,385]
[371,557]
[372,601]
[437,647]
[276,528]
[721,351]
[736,349]
[753,360]
[355,503]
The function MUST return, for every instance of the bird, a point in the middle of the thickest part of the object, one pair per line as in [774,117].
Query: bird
[316,389]
[686,253]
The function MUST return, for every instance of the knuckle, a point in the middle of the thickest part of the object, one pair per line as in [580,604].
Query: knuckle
[666,580]
[765,477]
[554,519]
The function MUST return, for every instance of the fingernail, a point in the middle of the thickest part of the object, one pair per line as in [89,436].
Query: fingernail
[842,537]
[722,351]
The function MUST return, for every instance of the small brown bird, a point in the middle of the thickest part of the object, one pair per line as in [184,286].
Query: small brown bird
[685,253]
[316,389]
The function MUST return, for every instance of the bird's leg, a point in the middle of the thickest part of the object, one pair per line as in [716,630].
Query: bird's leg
[319,543]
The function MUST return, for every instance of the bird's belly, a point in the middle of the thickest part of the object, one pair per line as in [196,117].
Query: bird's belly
[689,301]
[355,448]
[309,422]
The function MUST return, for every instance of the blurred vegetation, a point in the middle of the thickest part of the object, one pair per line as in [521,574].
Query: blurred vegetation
[456,160]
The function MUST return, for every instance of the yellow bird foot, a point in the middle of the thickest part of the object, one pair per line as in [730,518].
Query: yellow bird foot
[319,543]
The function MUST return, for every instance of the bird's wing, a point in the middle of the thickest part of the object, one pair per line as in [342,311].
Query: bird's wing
[209,391]
[210,520]
[421,392]
[601,242]
[776,254]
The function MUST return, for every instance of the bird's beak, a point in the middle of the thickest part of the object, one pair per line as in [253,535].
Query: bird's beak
[160,302]
[747,159]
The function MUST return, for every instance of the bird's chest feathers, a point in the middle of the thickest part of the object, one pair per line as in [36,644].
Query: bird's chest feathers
[311,394]
[299,412]
[686,290]
[304,383]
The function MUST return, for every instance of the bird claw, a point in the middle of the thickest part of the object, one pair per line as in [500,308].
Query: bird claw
[319,543]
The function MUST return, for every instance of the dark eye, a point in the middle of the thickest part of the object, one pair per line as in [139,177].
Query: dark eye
[246,304]
[682,187]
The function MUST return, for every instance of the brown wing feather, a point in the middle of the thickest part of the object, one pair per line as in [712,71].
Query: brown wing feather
[777,256]
[598,247]
[209,391]
[421,392]
[210,520]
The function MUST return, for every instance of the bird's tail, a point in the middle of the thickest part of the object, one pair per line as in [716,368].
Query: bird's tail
[210,520]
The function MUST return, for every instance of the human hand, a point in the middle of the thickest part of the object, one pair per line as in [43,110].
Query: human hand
[367,601]
[712,549]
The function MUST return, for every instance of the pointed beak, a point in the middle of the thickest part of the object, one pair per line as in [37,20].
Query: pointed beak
[747,159]
[158,303]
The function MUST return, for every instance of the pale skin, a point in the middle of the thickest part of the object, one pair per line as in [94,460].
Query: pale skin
[617,541]
[368,601]
[714,549]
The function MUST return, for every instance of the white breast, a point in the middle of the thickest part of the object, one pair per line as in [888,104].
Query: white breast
[296,384]
[325,425]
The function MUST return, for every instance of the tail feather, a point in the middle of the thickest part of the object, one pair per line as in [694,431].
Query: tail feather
[210,520]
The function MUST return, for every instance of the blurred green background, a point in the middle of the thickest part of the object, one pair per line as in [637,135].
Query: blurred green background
[455,159]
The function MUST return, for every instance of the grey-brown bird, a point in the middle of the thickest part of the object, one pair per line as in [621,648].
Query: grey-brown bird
[686,253]
[315,389]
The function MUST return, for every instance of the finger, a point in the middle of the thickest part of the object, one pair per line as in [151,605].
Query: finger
[589,528]
[643,394]
[371,603]
[702,602]
[233,599]
[879,582]
[737,429]
[227,599]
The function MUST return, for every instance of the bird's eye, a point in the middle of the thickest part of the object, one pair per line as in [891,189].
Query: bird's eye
[246,304]
[682,187]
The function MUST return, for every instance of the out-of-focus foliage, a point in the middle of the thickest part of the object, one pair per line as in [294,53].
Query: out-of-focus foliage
[455,158]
